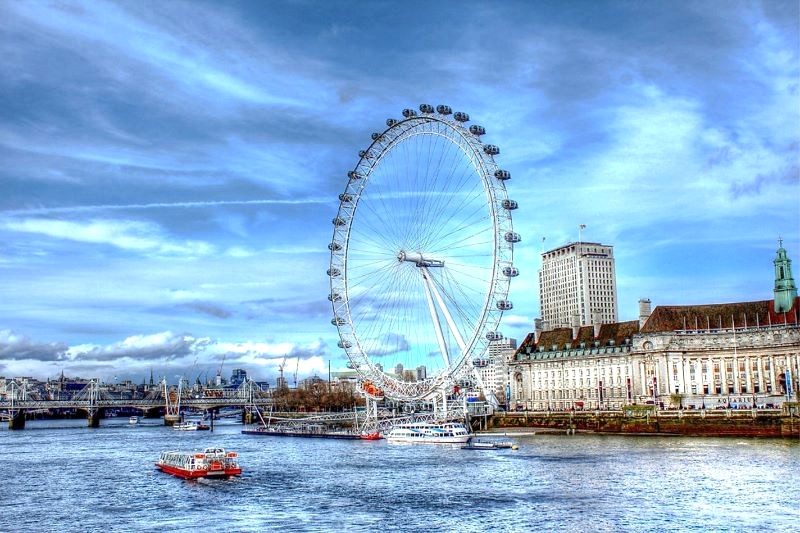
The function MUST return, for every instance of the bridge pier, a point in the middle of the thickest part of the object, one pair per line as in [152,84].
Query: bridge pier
[17,420]
[171,420]
[94,418]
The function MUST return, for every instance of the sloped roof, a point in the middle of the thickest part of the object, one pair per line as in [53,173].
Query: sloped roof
[562,339]
[717,316]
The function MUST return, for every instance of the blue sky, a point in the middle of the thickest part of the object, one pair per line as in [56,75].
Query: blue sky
[170,169]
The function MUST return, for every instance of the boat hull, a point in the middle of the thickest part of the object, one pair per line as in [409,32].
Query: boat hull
[428,440]
[196,474]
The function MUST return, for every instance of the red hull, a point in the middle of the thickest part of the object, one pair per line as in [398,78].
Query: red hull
[195,474]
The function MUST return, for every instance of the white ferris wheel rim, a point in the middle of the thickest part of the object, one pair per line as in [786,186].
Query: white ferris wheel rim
[477,302]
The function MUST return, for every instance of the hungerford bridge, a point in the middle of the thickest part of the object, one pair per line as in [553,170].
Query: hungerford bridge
[94,400]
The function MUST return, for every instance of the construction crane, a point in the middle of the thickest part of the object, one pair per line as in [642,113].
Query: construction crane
[219,371]
[281,382]
[296,368]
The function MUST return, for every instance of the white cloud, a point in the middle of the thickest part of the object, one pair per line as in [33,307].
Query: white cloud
[132,235]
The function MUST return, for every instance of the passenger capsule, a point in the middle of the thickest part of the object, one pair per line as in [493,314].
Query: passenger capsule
[334,297]
[443,109]
[334,272]
[353,175]
[346,198]
[339,221]
[376,136]
[334,247]
[477,130]
[512,237]
[494,336]
[390,122]
[510,204]
[504,305]
[491,149]
[408,113]
[352,365]
[344,344]
[426,108]
[461,116]
[511,272]
[502,174]
[338,321]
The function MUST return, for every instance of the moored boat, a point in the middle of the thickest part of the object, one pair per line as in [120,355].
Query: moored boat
[308,432]
[191,426]
[478,444]
[429,433]
[211,463]
[133,420]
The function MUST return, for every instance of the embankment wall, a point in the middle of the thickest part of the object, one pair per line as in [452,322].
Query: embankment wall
[750,423]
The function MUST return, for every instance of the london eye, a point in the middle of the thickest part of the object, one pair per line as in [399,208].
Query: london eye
[422,254]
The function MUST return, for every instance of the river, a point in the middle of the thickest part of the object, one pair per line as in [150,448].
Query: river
[63,476]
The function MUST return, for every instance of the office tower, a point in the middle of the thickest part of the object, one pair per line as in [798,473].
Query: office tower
[578,285]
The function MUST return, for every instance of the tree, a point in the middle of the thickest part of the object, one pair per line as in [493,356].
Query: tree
[676,400]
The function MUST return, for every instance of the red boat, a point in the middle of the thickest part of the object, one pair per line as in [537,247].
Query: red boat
[211,463]
[371,436]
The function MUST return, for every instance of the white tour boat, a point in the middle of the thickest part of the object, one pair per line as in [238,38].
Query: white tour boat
[429,433]
[190,426]
[133,420]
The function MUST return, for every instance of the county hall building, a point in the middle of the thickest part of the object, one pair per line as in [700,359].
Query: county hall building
[731,355]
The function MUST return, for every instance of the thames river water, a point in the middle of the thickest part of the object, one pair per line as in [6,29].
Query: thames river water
[63,476]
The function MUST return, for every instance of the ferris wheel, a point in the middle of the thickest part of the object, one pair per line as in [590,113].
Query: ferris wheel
[422,254]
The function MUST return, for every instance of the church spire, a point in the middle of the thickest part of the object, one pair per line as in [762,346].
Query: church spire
[785,289]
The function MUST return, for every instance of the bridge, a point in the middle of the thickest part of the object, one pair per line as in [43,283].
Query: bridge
[94,400]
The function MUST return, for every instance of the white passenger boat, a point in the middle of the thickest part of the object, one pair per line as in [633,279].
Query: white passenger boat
[190,426]
[133,420]
[429,433]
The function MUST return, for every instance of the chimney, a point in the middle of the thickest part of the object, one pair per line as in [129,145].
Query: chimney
[537,329]
[576,325]
[596,322]
[644,311]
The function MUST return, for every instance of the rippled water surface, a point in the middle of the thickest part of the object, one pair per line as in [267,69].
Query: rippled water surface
[63,476]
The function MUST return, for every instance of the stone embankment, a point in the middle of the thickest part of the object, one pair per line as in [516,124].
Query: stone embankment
[783,423]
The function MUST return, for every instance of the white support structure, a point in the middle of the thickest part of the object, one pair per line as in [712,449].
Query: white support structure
[172,411]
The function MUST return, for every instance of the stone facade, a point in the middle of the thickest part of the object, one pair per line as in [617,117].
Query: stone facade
[682,357]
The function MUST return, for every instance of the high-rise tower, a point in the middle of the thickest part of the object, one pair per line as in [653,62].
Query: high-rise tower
[578,280]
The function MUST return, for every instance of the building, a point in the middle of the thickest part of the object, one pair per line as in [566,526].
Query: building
[238,376]
[732,355]
[583,367]
[578,285]
[493,369]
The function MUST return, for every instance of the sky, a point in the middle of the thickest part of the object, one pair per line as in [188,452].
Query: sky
[170,169]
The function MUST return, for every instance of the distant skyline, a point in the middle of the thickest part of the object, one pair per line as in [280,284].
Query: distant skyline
[170,169]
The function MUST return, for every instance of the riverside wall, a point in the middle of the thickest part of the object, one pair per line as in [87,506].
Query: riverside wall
[731,423]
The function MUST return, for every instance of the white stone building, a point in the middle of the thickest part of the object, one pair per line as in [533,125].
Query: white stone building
[735,355]
[493,369]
